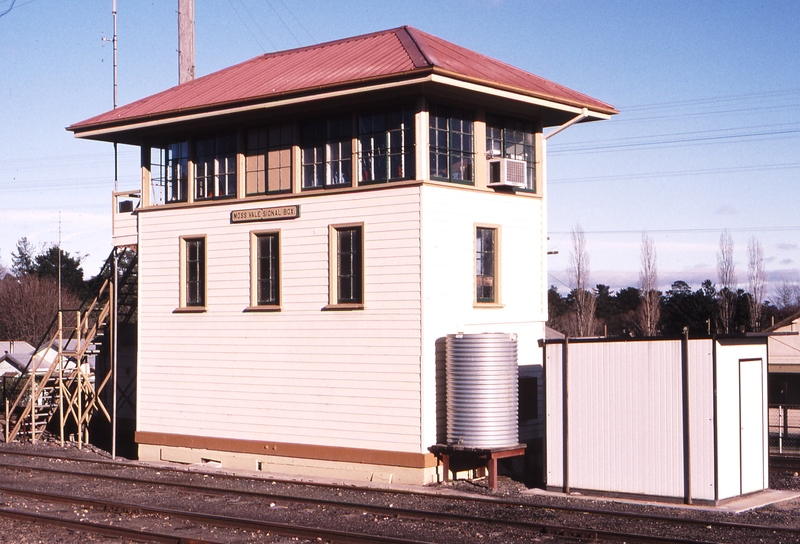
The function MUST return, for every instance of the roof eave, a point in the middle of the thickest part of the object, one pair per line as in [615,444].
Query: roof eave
[107,129]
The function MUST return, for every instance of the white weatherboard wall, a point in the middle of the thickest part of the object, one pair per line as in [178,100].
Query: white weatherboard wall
[625,417]
[301,375]
[449,217]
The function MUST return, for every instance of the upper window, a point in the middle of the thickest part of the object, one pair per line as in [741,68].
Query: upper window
[268,166]
[175,161]
[386,145]
[265,287]
[451,141]
[215,167]
[327,149]
[486,264]
[193,272]
[347,265]
[512,140]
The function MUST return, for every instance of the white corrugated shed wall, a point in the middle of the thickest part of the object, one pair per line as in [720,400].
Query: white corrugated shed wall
[554,421]
[301,375]
[701,425]
[449,217]
[626,417]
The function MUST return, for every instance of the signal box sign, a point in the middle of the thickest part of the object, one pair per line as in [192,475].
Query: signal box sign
[265,214]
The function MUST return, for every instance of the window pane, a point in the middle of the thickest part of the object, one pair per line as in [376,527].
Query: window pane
[452,147]
[349,265]
[268,262]
[195,272]
[485,264]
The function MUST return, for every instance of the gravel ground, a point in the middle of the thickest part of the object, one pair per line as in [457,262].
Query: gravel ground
[443,498]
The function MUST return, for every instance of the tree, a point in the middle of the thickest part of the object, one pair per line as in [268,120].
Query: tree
[46,265]
[726,277]
[22,260]
[578,274]
[787,296]
[683,308]
[558,310]
[29,304]
[756,282]
[650,308]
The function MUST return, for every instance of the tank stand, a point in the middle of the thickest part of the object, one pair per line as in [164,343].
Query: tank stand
[489,456]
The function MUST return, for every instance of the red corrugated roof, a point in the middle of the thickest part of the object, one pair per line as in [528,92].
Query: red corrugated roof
[346,62]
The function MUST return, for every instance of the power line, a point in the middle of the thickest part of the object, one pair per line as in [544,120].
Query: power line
[258,26]
[715,113]
[677,173]
[709,100]
[686,230]
[250,31]
[679,142]
[284,22]
[298,22]
[687,133]
[9,8]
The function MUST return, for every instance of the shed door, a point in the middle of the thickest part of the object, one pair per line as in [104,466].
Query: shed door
[751,420]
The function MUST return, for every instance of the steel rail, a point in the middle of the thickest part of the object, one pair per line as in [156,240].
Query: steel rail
[572,532]
[99,528]
[380,510]
[784,462]
[340,537]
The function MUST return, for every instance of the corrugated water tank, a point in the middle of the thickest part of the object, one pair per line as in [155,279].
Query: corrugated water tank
[482,390]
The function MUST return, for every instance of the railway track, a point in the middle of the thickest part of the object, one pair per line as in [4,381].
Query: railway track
[380,509]
[784,462]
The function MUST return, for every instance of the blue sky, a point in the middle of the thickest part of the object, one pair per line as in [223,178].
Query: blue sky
[708,137]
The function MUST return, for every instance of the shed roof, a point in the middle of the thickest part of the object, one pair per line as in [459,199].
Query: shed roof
[352,62]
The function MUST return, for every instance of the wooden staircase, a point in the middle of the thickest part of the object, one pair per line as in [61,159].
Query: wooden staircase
[64,387]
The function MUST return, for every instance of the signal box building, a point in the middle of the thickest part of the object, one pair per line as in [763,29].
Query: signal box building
[312,224]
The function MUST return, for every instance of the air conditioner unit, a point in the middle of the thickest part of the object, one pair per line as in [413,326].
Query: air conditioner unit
[507,173]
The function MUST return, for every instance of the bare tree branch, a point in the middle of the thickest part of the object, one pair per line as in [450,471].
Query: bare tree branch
[29,304]
[649,311]
[756,282]
[726,277]
[578,276]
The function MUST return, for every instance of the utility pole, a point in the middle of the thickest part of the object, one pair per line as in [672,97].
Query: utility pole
[185,41]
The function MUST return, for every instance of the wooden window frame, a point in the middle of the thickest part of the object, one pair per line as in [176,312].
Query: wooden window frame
[264,158]
[495,301]
[453,149]
[184,304]
[334,267]
[326,150]
[506,128]
[216,167]
[386,145]
[255,272]
[175,164]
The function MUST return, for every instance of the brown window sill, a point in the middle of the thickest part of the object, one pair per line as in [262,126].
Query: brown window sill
[492,305]
[343,307]
[190,310]
[265,308]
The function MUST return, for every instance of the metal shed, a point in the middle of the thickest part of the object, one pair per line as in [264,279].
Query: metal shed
[676,418]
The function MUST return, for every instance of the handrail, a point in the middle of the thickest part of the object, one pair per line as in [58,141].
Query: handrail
[94,313]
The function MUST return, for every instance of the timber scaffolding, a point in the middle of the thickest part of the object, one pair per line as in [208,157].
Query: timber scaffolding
[68,389]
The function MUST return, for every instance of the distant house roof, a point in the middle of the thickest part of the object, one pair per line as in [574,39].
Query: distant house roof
[18,361]
[15,346]
[552,334]
[388,56]
[785,323]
